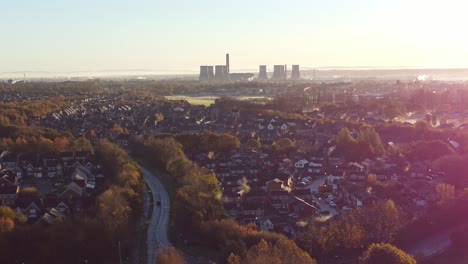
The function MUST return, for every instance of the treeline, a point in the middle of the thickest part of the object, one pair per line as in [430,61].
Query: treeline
[93,237]
[263,108]
[367,144]
[355,230]
[39,139]
[197,214]
[17,113]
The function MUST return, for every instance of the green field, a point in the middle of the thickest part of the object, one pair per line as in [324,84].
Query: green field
[207,100]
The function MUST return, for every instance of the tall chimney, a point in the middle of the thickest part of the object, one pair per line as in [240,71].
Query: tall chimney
[227,63]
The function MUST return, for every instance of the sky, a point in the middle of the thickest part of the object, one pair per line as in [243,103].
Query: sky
[181,35]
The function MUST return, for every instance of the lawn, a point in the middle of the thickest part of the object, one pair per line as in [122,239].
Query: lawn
[207,100]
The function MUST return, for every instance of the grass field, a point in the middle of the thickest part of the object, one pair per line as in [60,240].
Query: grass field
[207,100]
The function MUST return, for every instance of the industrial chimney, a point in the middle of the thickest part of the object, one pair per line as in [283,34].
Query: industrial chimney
[295,74]
[227,64]
[262,74]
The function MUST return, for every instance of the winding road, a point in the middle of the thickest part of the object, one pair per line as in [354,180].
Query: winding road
[158,227]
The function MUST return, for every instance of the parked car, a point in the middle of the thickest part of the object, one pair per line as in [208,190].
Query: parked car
[346,208]
[332,204]
[324,212]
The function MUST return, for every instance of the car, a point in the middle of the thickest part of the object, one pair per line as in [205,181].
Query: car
[346,208]
[158,203]
[332,204]
[324,212]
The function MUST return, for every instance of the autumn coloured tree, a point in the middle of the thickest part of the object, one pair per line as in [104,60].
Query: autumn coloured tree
[384,253]
[169,255]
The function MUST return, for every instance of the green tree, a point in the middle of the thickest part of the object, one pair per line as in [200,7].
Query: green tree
[369,135]
[284,145]
[386,254]
[253,144]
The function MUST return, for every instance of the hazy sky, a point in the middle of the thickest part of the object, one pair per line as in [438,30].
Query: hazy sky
[85,35]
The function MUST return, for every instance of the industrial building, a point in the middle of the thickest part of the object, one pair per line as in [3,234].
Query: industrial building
[221,72]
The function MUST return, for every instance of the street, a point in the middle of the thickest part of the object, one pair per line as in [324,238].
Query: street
[322,204]
[158,227]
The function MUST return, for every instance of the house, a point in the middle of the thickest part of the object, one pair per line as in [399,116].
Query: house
[255,196]
[50,217]
[8,192]
[282,195]
[53,168]
[30,209]
[232,210]
[353,194]
[304,194]
[122,139]
[264,223]
[275,185]
[73,191]
[279,223]
[230,197]
[8,160]
[251,210]
[300,164]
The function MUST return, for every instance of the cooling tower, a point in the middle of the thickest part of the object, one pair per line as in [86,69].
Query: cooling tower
[210,72]
[279,72]
[221,74]
[206,73]
[262,74]
[295,74]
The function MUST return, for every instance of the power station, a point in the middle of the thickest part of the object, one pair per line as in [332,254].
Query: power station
[222,73]
[280,73]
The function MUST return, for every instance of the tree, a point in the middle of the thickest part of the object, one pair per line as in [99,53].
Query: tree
[6,224]
[428,150]
[454,167]
[28,193]
[252,144]
[283,145]
[81,144]
[234,259]
[283,251]
[344,138]
[386,254]
[7,212]
[371,179]
[113,208]
[445,194]
[369,135]
[169,255]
